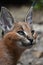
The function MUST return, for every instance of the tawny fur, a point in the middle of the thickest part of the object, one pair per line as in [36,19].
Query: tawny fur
[9,51]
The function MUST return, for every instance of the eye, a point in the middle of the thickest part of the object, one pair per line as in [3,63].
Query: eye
[21,32]
[32,31]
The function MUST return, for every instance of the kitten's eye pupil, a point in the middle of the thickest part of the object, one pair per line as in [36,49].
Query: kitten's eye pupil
[21,32]
[32,31]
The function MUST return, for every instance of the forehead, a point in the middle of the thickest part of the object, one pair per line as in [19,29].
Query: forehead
[22,26]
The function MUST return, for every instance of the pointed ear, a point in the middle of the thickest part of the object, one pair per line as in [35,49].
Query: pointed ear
[6,20]
[28,17]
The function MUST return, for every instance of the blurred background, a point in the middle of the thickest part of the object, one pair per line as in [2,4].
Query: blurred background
[19,3]
[20,7]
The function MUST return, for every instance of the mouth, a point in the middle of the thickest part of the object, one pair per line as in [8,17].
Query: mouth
[29,44]
[25,43]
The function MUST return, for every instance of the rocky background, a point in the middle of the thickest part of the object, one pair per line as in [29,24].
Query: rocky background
[33,55]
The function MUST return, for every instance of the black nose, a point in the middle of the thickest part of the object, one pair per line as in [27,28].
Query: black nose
[31,40]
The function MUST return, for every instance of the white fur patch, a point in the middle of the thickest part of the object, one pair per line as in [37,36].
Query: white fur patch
[25,33]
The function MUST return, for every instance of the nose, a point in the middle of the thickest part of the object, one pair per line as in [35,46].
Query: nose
[30,39]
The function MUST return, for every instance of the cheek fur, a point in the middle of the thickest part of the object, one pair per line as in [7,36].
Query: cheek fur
[35,35]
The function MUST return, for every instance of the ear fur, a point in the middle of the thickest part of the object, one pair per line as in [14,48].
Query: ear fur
[6,19]
[28,17]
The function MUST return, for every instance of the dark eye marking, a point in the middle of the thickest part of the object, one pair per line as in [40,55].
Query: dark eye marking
[21,32]
[32,31]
